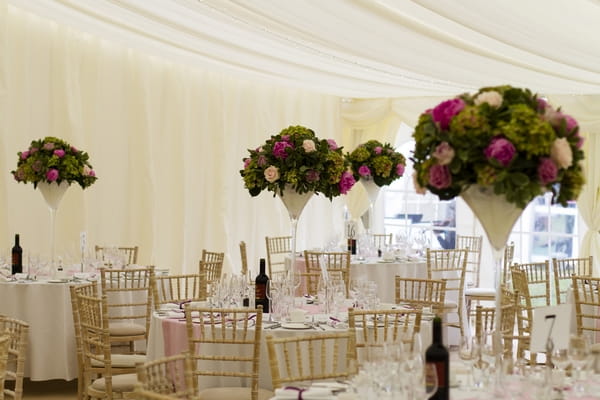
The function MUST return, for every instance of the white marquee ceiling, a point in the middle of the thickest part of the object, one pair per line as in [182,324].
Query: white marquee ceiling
[359,48]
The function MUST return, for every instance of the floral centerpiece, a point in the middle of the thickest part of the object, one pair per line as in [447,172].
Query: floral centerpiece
[503,138]
[297,158]
[53,160]
[377,161]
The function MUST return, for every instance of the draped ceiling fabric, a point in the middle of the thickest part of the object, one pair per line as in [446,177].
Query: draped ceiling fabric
[167,95]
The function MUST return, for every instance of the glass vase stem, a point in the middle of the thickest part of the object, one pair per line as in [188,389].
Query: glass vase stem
[292,272]
[52,236]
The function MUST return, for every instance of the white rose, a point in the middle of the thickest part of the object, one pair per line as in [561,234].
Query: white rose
[272,174]
[561,153]
[308,145]
[491,97]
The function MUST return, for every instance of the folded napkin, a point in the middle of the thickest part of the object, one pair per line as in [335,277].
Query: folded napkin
[313,393]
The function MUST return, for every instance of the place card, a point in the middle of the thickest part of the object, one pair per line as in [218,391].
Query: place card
[554,322]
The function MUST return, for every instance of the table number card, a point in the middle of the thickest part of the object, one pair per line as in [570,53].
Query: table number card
[554,321]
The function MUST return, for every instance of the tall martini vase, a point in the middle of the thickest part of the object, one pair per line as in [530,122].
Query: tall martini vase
[53,194]
[372,190]
[497,216]
[294,203]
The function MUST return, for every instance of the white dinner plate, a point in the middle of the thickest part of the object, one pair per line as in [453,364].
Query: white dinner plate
[295,325]
[57,281]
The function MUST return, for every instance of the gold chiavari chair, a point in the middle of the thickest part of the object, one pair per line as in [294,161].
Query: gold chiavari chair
[129,301]
[382,240]
[450,264]
[178,289]
[524,313]
[4,344]
[130,254]
[564,268]
[297,360]
[105,375]
[226,343]
[485,319]
[278,247]
[380,327]
[586,295]
[211,268]
[538,279]
[473,244]
[90,290]
[171,376]
[420,293]
[337,265]
[18,333]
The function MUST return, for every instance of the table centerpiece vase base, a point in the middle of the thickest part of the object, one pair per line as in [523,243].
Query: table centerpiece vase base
[53,193]
[497,216]
[294,202]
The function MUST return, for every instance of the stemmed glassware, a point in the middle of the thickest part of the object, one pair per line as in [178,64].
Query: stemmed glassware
[579,355]
[468,352]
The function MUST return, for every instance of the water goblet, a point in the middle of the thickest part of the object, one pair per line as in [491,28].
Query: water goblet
[468,352]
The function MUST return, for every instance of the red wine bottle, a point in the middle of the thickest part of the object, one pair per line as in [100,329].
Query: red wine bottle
[437,354]
[17,257]
[262,281]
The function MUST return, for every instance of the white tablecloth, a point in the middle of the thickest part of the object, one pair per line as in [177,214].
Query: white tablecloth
[161,344]
[47,309]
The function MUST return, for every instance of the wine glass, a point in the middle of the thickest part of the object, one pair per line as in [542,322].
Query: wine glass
[427,382]
[579,355]
[468,352]
[560,358]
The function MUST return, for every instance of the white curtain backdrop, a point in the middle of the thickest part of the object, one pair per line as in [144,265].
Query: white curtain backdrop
[166,141]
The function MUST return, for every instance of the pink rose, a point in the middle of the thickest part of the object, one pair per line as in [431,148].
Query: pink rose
[52,175]
[59,153]
[399,169]
[33,150]
[246,163]
[547,171]
[285,138]
[418,188]
[444,153]
[308,146]
[48,146]
[332,144]
[24,155]
[92,173]
[346,182]
[312,175]
[446,110]
[271,174]
[439,176]
[561,153]
[377,150]
[501,150]
[541,105]
[74,149]
[363,170]
[571,122]
[279,149]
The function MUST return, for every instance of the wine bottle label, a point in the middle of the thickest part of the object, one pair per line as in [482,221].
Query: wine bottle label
[261,291]
[440,368]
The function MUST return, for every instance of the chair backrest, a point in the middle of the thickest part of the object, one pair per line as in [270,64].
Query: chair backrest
[564,268]
[211,265]
[524,310]
[420,293]
[538,280]
[336,263]
[4,345]
[473,244]
[129,295]
[90,290]
[239,356]
[277,248]
[244,258]
[507,260]
[380,327]
[18,332]
[587,303]
[127,255]
[178,289]
[308,358]
[382,240]
[485,318]
[168,376]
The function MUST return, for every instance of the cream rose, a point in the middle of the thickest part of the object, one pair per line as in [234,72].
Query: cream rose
[561,153]
[308,146]
[491,97]
[272,174]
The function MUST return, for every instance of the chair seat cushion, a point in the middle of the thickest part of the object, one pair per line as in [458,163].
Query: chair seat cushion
[126,329]
[120,383]
[232,393]
[480,291]
[123,360]
[449,305]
